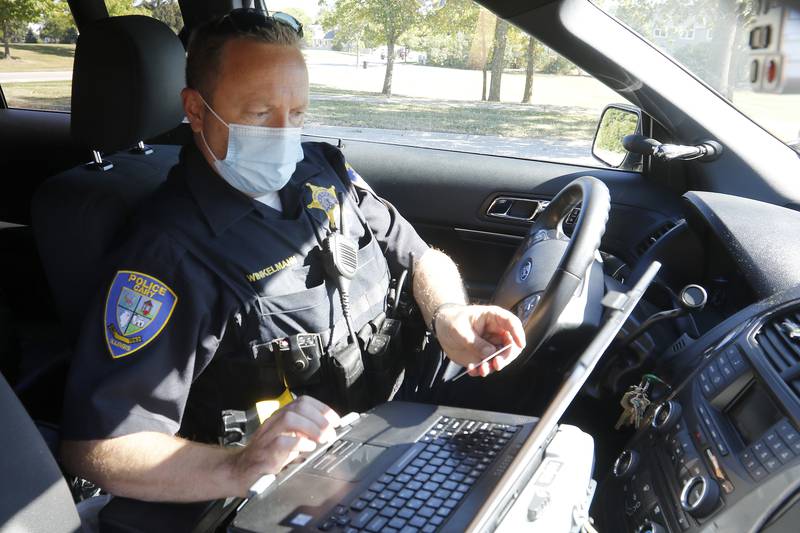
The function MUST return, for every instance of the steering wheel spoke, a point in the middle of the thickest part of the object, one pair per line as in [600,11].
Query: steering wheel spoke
[526,306]
[549,266]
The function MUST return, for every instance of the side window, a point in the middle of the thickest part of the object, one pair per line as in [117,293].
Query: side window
[446,74]
[38,48]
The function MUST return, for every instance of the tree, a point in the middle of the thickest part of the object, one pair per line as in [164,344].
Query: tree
[479,51]
[14,13]
[498,59]
[445,35]
[304,18]
[382,21]
[527,92]
[714,60]
[300,14]
[118,8]
[167,11]
[58,25]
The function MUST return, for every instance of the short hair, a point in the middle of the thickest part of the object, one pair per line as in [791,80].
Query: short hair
[204,52]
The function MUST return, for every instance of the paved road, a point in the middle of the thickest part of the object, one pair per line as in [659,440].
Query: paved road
[27,77]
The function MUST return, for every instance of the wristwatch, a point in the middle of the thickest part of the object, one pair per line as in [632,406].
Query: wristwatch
[436,312]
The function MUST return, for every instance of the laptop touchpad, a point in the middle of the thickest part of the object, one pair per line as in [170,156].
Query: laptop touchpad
[348,462]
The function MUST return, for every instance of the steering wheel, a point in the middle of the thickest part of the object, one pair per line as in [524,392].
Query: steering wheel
[549,267]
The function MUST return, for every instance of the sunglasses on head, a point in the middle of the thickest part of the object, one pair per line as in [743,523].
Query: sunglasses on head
[246,19]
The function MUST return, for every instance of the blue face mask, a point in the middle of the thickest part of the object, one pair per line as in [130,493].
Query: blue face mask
[260,160]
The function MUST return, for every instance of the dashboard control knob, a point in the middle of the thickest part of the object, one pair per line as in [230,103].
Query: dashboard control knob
[700,496]
[626,464]
[648,526]
[693,297]
[666,416]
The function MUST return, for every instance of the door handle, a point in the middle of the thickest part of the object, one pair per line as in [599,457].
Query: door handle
[516,209]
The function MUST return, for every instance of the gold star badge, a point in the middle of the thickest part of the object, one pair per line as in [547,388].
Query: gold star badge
[325,200]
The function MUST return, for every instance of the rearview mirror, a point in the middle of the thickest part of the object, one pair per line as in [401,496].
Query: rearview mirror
[616,122]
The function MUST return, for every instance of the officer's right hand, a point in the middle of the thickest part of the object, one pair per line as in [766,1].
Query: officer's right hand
[295,428]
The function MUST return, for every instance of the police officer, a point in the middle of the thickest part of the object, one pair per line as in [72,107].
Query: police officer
[227,258]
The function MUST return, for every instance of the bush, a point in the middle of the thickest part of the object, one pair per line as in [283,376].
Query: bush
[70,36]
[30,37]
[59,30]
[616,125]
[444,50]
[551,63]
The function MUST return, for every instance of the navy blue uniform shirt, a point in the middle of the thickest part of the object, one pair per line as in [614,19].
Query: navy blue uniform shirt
[201,274]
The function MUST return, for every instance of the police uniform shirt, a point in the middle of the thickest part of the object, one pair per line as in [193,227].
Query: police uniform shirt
[203,275]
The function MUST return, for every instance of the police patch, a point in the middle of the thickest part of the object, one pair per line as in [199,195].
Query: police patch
[356,178]
[138,307]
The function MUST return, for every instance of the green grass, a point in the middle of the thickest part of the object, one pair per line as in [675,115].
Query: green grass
[334,107]
[37,57]
[50,95]
[371,110]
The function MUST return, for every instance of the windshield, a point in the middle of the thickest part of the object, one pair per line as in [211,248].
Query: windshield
[710,39]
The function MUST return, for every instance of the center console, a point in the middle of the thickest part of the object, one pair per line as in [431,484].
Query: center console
[712,450]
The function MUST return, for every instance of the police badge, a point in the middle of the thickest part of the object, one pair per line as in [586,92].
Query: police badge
[325,200]
[138,307]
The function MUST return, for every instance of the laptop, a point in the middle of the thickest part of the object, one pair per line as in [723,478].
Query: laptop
[408,467]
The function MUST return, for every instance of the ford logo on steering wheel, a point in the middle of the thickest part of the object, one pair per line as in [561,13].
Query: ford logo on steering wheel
[525,270]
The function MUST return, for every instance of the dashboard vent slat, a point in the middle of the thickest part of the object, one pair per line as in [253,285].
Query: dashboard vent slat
[785,330]
[776,351]
[780,341]
[652,238]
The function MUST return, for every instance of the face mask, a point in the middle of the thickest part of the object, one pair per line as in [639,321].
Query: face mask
[259,159]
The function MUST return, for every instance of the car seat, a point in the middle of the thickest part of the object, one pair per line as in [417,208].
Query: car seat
[127,78]
[35,497]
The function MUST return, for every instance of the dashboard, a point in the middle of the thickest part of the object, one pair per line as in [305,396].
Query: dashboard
[722,451]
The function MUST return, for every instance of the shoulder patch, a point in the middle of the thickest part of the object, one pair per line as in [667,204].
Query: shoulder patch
[138,306]
[356,179]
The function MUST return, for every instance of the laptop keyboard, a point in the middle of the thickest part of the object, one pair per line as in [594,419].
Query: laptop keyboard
[424,486]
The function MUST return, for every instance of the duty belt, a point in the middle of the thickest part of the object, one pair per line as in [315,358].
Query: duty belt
[302,361]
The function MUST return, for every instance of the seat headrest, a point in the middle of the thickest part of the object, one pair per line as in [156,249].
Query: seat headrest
[126,84]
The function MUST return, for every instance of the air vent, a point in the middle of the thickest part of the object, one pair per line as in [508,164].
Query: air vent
[681,343]
[780,341]
[651,239]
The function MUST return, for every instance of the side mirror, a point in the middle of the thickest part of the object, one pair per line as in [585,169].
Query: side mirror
[616,122]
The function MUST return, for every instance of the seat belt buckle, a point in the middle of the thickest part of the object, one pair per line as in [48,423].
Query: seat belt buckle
[238,426]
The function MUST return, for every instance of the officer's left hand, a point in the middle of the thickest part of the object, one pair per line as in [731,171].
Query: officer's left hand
[470,333]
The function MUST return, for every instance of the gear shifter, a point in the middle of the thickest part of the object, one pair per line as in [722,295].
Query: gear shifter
[692,297]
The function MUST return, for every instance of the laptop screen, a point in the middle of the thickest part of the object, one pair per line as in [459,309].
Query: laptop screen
[524,465]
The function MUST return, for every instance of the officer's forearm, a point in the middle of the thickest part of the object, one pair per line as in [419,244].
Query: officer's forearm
[436,281]
[154,467]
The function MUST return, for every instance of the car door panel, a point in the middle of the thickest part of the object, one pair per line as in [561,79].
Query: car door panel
[445,195]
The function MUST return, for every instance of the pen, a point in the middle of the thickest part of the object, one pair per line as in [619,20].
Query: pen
[489,358]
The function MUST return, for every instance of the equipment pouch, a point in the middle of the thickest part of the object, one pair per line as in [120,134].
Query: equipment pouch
[347,370]
[383,361]
[299,359]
